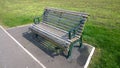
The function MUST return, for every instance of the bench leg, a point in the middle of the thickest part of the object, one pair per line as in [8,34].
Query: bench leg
[72,45]
[70,50]
[36,35]
[80,41]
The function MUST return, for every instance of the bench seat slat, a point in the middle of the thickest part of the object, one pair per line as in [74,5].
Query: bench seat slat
[55,34]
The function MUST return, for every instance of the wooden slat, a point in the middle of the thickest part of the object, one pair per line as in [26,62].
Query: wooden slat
[65,20]
[65,23]
[68,16]
[67,11]
[74,39]
[57,37]
[57,23]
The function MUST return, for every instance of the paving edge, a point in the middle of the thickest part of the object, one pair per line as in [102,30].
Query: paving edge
[23,47]
[89,57]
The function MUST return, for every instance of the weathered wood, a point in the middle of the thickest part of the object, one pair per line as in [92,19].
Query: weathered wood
[52,33]
[67,11]
[61,17]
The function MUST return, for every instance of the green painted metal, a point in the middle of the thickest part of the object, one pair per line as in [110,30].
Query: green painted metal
[80,41]
[36,20]
[73,32]
[72,45]
[69,35]
[70,50]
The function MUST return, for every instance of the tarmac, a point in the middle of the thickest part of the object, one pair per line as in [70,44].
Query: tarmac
[13,56]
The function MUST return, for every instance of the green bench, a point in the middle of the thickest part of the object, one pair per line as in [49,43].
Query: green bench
[62,27]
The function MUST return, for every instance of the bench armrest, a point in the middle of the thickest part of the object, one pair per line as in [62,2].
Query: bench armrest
[74,39]
[71,33]
[75,31]
[36,20]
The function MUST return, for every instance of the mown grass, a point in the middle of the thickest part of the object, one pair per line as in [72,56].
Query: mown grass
[102,29]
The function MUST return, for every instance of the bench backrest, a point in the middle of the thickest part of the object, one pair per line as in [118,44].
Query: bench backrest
[66,20]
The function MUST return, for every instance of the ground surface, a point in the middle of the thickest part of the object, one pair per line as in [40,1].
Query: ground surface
[102,29]
[77,60]
[12,55]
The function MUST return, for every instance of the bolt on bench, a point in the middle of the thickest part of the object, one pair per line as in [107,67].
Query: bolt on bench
[61,27]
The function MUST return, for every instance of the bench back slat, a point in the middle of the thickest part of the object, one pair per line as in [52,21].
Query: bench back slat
[63,20]
[66,20]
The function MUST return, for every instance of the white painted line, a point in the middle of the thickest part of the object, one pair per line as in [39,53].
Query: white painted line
[89,58]
[23,48]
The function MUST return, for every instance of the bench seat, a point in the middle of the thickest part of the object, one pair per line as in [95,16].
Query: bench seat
[58,35]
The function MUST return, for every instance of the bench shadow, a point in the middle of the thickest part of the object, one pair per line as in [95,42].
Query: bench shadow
[79,55]
[80,59]
[39,43]
[84,53]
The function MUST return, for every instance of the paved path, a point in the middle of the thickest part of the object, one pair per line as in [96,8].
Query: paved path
[59,61]
[13,56]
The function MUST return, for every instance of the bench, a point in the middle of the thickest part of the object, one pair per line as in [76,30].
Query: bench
[62,27]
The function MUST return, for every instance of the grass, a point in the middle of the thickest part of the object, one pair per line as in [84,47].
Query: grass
[102,29]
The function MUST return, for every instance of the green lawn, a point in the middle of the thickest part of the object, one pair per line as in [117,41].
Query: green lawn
[102,29]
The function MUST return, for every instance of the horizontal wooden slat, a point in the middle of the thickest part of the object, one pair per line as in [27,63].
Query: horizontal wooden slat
[57,23]
[68,16]
[65,23]
[67,11]
[66,20]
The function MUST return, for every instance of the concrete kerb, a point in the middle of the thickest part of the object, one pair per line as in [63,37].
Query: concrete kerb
[90,56]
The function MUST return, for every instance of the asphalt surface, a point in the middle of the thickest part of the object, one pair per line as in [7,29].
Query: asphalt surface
[78,59]
[12,55]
